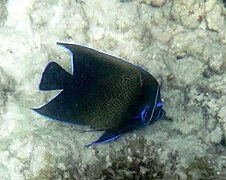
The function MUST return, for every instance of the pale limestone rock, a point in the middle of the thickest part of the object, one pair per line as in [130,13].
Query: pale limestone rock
[214,16]
[155,3]
[222,118]
[216,57]
[188,13]
[216,135]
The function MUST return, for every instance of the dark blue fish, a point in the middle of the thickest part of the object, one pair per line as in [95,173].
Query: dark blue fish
[103,92]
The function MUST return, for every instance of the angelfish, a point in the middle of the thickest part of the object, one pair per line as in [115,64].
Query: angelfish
[103,92]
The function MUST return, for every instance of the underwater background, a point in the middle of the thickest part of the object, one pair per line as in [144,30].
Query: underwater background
[181,43]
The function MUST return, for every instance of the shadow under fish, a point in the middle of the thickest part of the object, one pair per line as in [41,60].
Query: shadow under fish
[103,92]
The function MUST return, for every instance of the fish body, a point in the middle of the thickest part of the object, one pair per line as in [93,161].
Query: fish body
[103,92]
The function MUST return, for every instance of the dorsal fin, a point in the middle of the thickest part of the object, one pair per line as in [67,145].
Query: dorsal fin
[84,58]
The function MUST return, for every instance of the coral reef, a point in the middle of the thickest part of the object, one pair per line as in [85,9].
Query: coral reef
[136,159]
[204,168]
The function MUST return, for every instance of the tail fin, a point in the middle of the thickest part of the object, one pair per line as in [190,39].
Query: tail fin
[54,77]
